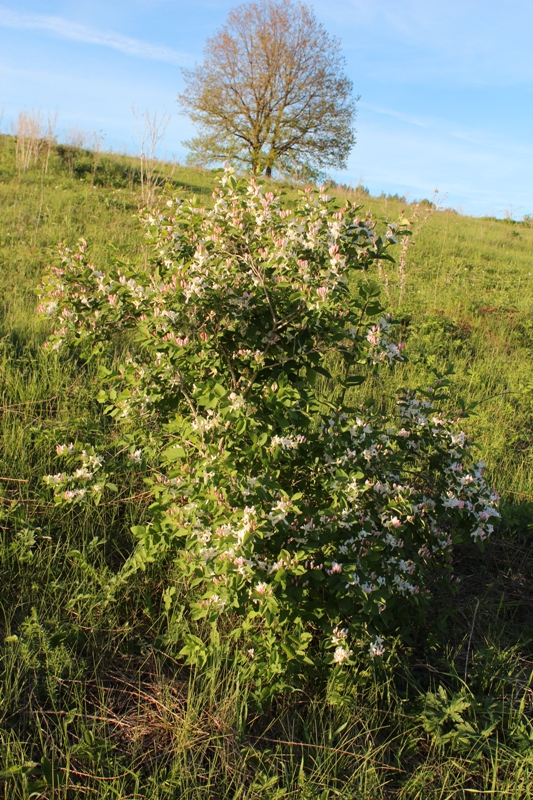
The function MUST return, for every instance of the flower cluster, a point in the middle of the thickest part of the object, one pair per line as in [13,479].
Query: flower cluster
[381,346]
[85,481]
[384,520]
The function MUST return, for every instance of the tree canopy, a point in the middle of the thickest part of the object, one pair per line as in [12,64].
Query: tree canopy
[271,93]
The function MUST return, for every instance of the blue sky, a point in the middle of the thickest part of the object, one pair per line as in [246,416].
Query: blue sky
[446,88]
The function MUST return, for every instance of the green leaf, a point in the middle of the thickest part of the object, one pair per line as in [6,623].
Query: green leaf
[355,380]
[320,370]
[373,309]
[174,453]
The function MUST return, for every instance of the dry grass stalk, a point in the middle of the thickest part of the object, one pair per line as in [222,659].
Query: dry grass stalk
[33,138]
[76,137]
[29,135]
[96,145]
[151,130]
[50,136]
[419,214]
[385,280]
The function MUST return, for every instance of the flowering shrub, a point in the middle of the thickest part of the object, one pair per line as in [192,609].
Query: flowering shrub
[313,524]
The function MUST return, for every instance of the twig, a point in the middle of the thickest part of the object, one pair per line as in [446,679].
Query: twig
[28,403]
[72,771]
[256,270]
[470,639]
[186,395]
[125,499]
[322,747]
[40,205]
[519,494]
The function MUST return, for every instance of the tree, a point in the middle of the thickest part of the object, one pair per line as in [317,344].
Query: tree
[271,93]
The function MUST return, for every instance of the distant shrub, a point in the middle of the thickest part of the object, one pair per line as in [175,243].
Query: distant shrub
[427,203]
[400,198]
[359,189]
[315,527]
[112,172]
[77,161]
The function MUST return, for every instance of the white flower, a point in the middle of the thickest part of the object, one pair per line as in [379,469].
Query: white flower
[61,449]
[237,401]
[451,501]
[216,600]
[203,425]
[135,456]
[459,438]
[53,480]
[287,442]
[83,473]
[339,636]
[208,553]
[240,562]
[376,647]
[282,507]
[341,655]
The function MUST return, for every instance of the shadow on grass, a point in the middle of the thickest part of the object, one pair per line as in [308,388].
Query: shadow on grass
[190,187]
[488,618]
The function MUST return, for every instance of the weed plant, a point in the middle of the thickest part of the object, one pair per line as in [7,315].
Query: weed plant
[94,699]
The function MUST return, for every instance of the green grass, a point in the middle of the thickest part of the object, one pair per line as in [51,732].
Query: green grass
[94,700]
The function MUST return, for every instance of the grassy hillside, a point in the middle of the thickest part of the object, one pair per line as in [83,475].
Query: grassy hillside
[94,701]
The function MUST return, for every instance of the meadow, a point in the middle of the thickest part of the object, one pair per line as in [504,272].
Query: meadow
[95,699]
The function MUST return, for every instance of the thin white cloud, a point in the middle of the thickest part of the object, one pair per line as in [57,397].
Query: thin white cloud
[389,112]
[470,42]
[82,33]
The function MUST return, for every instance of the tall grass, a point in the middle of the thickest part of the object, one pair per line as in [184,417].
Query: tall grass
[94,699]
